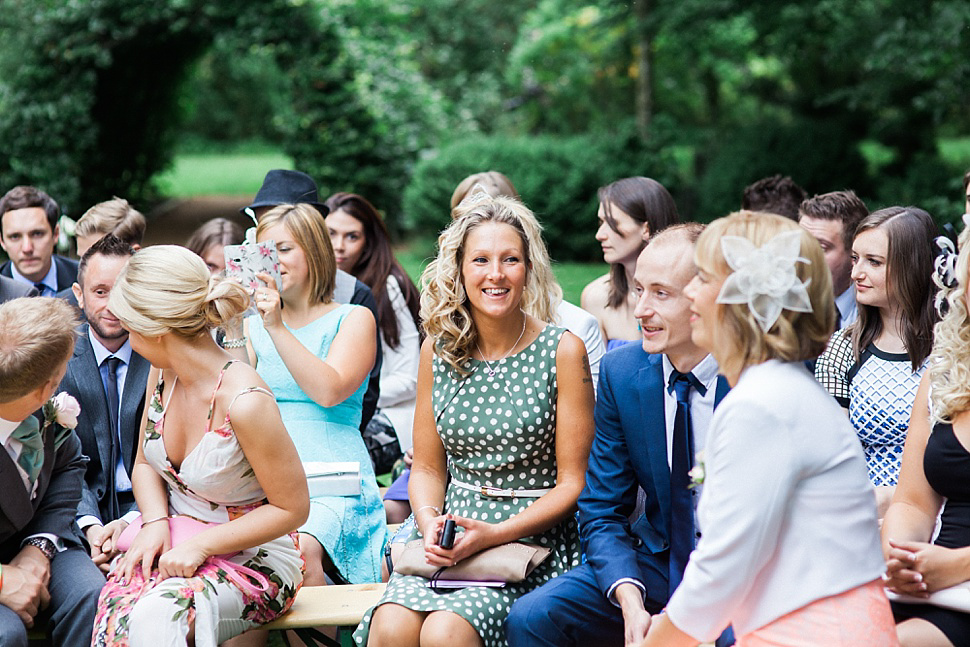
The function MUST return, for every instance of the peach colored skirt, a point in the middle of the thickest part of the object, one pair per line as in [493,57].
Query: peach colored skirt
[860,617]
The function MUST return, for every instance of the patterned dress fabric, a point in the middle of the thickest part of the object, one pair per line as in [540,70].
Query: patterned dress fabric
[214,483]
[879,398]
[497,431]
[352,529]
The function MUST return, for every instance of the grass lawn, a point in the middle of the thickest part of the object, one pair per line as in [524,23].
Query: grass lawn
[219,174]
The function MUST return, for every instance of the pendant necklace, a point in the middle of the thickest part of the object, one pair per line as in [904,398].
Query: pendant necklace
[491,371]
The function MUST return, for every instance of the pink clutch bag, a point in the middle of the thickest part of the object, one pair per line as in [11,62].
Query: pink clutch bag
[182,528]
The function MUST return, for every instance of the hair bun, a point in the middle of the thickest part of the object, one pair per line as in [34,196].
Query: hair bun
[225,301]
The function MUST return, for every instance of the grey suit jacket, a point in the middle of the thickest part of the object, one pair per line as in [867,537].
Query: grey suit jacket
[11,289]
[83,381]
[58,493]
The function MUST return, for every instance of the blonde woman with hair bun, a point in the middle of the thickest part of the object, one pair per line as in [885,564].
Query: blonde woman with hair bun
[790,553]
[212,447]
[504,408]
[924,555]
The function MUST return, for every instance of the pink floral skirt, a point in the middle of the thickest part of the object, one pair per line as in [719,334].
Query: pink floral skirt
[158,613]
[860,617]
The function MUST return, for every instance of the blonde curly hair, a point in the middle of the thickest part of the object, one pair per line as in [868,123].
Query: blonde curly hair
[949,366]
[444,303]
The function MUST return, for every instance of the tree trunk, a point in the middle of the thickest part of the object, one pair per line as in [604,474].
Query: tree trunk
[644,96]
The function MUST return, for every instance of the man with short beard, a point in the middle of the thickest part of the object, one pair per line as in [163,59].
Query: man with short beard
[108,379]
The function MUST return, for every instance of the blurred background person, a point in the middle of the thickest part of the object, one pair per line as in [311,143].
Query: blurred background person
[209,241]
[362,247]
[873,366]
[113,216]
[630,211]
[832,218]
[776,194]
[28,233]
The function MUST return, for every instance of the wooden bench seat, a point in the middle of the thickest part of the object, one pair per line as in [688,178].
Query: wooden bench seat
[331,606]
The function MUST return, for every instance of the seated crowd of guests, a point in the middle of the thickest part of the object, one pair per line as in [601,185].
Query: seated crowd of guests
[766,455]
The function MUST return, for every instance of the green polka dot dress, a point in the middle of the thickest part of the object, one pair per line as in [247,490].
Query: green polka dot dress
[498,431]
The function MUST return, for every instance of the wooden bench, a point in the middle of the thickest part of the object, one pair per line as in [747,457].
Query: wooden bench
[326,606]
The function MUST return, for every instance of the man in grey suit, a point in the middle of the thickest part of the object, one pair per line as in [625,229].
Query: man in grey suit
[48,579]
[10,289]
[108,379]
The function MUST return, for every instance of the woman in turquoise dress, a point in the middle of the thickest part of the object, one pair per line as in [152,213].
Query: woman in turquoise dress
[505,401]
[316,355]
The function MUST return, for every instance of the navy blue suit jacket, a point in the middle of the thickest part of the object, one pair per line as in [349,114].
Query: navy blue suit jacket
[65,268]
[629,451]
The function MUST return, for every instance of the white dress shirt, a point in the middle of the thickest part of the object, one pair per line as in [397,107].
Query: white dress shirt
[788,513]
[399,368]
[587,328]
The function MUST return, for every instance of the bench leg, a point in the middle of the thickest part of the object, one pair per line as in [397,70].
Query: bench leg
[311,637]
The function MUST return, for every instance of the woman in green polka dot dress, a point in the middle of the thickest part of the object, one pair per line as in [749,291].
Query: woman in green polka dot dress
[505,400]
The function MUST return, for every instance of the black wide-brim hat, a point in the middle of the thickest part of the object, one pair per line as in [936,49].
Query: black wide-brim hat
[282,186]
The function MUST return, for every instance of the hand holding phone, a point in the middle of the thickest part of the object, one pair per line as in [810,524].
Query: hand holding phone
[447,537]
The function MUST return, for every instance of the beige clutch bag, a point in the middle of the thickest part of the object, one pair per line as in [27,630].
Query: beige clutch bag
[510,562]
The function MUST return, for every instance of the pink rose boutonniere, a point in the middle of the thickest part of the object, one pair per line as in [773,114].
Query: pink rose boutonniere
[62,409]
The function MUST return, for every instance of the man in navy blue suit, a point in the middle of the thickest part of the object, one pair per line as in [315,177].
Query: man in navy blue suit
[635,556]
[28,234]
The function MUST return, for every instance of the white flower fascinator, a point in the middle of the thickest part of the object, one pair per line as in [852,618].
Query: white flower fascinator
[764,277]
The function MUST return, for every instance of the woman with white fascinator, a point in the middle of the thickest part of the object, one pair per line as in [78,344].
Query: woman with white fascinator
[790,553]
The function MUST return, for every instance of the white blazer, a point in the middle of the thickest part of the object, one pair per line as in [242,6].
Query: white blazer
[788,514]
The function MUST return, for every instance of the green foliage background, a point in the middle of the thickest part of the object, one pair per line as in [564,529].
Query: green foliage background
[399,100]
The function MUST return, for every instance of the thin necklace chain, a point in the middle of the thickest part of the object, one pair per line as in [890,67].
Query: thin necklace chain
[491,371]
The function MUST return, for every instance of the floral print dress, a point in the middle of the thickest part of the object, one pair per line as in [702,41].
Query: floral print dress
[215,484]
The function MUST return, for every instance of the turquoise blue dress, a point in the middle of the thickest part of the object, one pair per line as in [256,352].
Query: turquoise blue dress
[351,529]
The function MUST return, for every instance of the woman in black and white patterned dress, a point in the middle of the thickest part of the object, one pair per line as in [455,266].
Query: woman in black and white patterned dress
[873,366]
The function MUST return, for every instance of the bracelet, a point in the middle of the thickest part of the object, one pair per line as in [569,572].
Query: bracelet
[239,342]
[1,576]
[145,523]
[425,507]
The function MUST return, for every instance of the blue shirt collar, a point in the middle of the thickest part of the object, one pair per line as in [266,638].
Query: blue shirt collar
[49,280]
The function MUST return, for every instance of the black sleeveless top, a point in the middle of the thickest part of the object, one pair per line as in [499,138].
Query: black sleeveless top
[946,464]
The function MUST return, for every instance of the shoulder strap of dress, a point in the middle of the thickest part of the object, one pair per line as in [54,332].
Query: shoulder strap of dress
[250,389]
[212,400]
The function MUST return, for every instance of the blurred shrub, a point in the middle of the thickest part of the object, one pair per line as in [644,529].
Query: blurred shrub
[816,154]
[557,177]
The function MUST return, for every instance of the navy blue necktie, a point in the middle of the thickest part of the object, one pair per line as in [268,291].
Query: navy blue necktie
[111,391]
[681,462]
[40,289]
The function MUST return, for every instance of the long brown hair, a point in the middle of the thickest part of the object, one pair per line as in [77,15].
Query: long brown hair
[644,200]
[376,263]
[909,271]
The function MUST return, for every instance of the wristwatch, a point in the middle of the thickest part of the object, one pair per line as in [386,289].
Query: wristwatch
[44,544]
